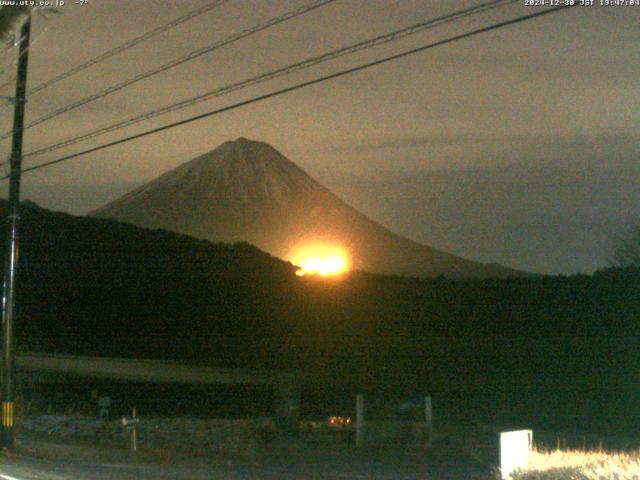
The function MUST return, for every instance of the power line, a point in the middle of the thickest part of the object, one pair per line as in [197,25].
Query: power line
[127,45]
[366,44]
[298,86]
[119,49]
[108,54]
[179,61]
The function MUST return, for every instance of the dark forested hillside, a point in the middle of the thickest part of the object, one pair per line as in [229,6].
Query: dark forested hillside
[98,287]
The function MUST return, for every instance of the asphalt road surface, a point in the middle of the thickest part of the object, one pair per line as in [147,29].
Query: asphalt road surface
[326,463]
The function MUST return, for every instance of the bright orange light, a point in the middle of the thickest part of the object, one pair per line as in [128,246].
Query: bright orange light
[323,261]
[321,266]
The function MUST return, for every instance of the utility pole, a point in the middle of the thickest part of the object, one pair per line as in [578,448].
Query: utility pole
[11,255]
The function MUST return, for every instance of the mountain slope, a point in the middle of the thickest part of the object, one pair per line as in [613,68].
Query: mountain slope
[247,191]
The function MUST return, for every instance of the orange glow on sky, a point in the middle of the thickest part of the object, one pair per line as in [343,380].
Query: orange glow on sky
[321,260]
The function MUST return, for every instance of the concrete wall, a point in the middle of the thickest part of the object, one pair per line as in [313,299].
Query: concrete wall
[387,433]
[217,436]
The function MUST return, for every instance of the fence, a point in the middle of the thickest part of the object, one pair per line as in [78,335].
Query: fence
[372,431]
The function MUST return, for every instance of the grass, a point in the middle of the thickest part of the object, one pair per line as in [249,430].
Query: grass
[580,465]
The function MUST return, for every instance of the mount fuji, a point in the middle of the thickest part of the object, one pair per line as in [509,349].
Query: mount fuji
[246,190]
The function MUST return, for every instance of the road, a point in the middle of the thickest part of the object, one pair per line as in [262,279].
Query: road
[326,463]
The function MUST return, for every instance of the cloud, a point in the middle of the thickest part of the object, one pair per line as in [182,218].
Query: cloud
[410,142]
[559,144]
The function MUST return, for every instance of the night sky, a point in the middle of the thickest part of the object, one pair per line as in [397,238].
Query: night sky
[518,146]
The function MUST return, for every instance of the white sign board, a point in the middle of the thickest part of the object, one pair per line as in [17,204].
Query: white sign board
[515,448]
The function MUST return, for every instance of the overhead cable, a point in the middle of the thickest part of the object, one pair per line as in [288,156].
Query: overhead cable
[298,87]
[280,72]
[127,45]
[174,63]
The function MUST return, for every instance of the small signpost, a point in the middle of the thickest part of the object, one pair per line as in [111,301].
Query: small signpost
[359,420]
[131,424]
[428,418]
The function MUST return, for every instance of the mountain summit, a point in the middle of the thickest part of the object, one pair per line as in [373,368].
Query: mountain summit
[248,191]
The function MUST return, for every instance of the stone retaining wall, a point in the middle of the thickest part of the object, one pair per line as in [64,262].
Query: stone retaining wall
[179,434]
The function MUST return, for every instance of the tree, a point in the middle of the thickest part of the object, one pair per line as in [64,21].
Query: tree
[10,20]
[626,248]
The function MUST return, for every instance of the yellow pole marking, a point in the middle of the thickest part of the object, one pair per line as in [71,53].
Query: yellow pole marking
[7,414]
